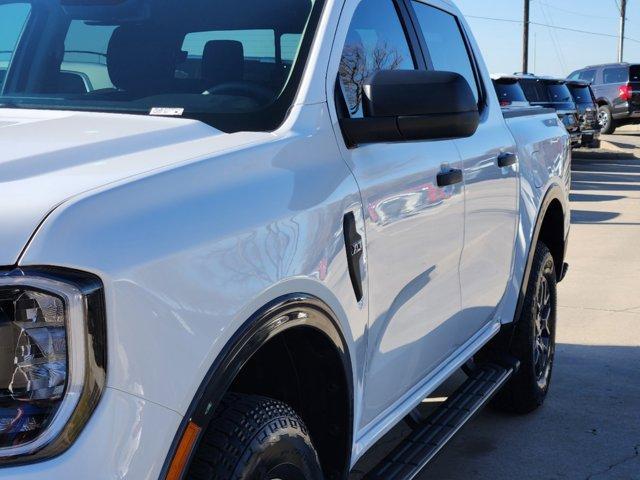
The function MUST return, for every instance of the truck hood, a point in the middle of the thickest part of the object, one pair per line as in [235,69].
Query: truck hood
[48,157]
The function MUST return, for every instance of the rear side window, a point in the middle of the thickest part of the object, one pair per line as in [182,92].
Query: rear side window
[376,41]
[446,45]
[509,92]
[13,17]
[616,75]
[289,46]
[257,45]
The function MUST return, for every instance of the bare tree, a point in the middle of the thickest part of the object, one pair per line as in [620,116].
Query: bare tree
[358,64]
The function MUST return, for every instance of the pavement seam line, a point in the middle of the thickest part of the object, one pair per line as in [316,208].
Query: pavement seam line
[636,454]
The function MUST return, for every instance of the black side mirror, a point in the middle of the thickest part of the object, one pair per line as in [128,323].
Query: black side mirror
[414,105]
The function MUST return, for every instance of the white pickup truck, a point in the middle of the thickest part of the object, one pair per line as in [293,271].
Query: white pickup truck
[244,239]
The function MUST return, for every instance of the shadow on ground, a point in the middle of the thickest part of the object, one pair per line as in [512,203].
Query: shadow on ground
[602,176]
[588,429]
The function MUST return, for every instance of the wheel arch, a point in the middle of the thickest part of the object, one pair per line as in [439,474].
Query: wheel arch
[602,101]
[550,228]
[289,317]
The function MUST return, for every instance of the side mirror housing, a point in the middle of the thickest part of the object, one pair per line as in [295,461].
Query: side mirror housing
[414,105]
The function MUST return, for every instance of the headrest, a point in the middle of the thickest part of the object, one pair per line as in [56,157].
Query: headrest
[141,59]
[223,61]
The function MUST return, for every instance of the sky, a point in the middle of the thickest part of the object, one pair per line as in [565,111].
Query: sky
[552,51]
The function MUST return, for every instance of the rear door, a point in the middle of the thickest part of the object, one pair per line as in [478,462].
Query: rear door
[613,78]
[491,192]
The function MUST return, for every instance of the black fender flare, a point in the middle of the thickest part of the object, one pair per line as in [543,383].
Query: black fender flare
[280,315]
[555,192]
[602,100]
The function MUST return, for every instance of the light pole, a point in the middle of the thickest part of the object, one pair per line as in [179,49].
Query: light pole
[525,37]
[623,24]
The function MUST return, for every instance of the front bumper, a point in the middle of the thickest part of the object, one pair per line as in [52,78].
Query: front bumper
[127,438]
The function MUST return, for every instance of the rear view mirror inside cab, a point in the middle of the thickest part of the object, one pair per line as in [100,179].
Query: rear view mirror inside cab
[102,10]
[413,105]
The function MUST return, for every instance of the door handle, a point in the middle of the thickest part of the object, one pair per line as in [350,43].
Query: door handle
[450,177]
[507,159]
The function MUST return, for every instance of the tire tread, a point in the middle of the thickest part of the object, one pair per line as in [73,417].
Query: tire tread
[239,419]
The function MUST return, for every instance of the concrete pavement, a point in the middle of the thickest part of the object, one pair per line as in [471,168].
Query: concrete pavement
[589,429]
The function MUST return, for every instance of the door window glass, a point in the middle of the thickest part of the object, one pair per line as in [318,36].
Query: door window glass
[375,41]
[447,48]
[616,75]
[13,17]
[588,76]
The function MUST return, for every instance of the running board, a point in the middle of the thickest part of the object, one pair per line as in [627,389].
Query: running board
[423,444]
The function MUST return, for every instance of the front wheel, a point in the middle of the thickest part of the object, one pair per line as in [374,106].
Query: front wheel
[255,438]
[534,339]
[605,118]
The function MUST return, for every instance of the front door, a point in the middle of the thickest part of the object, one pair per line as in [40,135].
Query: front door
[414,229]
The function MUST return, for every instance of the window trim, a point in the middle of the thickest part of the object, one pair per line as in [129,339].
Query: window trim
[480,85]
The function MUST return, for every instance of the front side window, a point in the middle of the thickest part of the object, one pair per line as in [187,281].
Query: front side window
[235,65]
[13,17]
[446,45]
[375,41]
[588,76]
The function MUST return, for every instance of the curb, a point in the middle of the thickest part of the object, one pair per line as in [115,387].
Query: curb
[604,155]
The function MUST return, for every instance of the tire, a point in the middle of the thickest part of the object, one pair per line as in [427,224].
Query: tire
[607,122]
[533,342]
[255,438]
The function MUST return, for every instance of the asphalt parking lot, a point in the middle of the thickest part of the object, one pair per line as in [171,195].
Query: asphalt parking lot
[590,426]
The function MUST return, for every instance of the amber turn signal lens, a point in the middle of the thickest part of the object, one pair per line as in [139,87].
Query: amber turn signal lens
[183,452]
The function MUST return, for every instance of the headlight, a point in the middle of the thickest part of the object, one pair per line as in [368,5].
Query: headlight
[52,360]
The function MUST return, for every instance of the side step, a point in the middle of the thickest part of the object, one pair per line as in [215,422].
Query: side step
[424,443]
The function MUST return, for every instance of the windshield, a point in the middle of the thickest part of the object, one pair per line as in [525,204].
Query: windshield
[558,93]
[581,95]
[234,64]
[509,93]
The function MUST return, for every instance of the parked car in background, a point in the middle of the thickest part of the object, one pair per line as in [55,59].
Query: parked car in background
[509,91]
[616,87]
[553,93]
[281,228]
[587,112]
